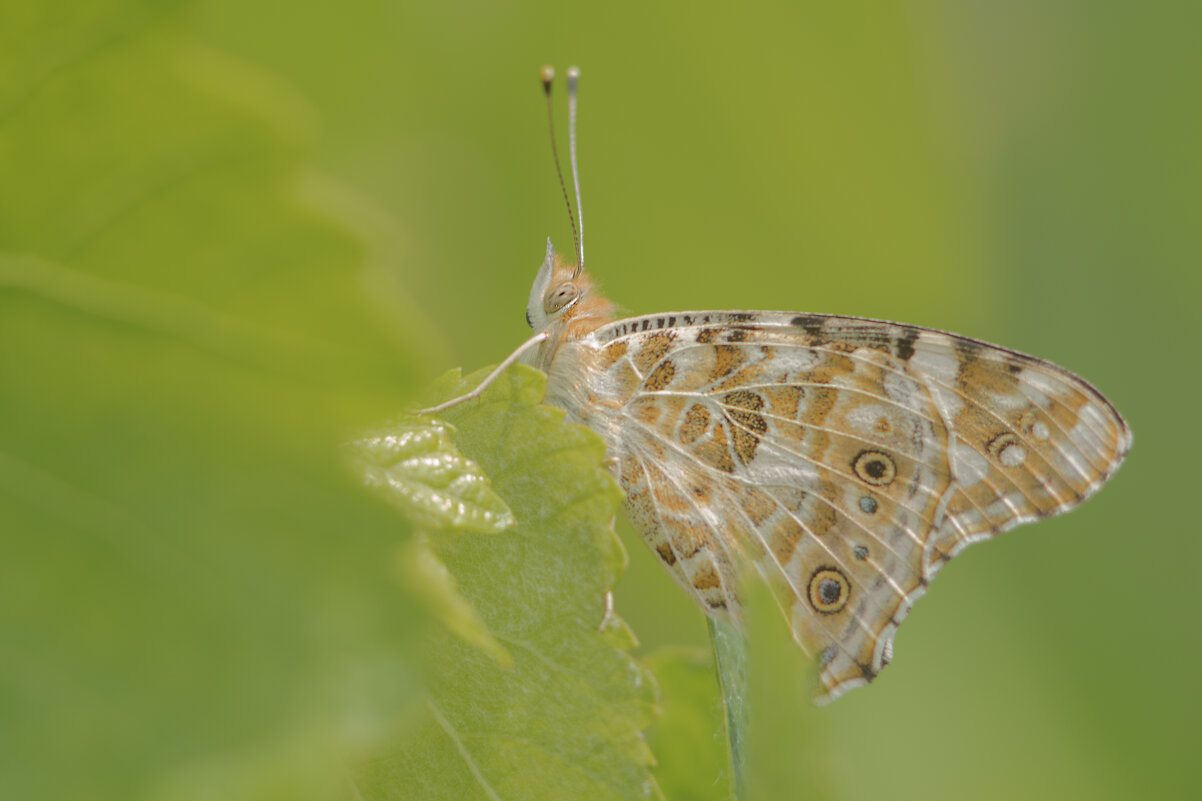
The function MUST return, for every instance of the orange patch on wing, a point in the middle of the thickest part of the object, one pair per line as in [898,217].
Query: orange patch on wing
[727,359]
[646,410]
[744,444]
[758,505]
[822,518]
[832,366]
[670,500]
[985,374]
[654,348]
[667,497]
[661,376]
[974,424]
[747,424]
[696,423]
[783,400]
[611,353]
[819,402]
[706,578]
[784,539]
[715,451]
[665,553]
[687,539]
[700,488]
[751,374]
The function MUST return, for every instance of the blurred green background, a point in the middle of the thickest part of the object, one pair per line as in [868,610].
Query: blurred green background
[1024,172]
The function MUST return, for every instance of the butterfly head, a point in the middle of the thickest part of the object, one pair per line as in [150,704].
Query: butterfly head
[564,297]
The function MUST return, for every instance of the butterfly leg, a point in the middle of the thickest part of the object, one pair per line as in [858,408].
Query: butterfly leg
[534,341]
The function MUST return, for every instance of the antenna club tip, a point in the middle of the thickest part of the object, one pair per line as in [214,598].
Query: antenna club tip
[573,73]
[546,75]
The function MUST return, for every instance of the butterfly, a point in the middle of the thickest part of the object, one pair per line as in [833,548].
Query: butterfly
[844,459]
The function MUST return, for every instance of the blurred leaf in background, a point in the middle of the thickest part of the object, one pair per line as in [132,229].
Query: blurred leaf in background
[195,598]
[688,738]
[788,754]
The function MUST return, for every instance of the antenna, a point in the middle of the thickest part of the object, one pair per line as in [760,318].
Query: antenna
[548,76]
[573,80]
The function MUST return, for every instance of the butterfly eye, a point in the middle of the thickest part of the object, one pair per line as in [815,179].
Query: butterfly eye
[560,297]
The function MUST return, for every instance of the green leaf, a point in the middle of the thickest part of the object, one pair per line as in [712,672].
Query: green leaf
[430,579]
[415,465]
[566,719]
[196,599]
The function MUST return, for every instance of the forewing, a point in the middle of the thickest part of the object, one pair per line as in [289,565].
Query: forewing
[847,459]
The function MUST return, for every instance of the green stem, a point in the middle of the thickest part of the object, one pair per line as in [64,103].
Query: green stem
[730,662]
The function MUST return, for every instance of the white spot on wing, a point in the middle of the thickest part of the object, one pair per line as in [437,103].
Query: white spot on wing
[864,418]
[935,362]
[1012,455]
[1085,434]
[1095,416]
[935,357]
[968,466]
[901,389]
[1041,382]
